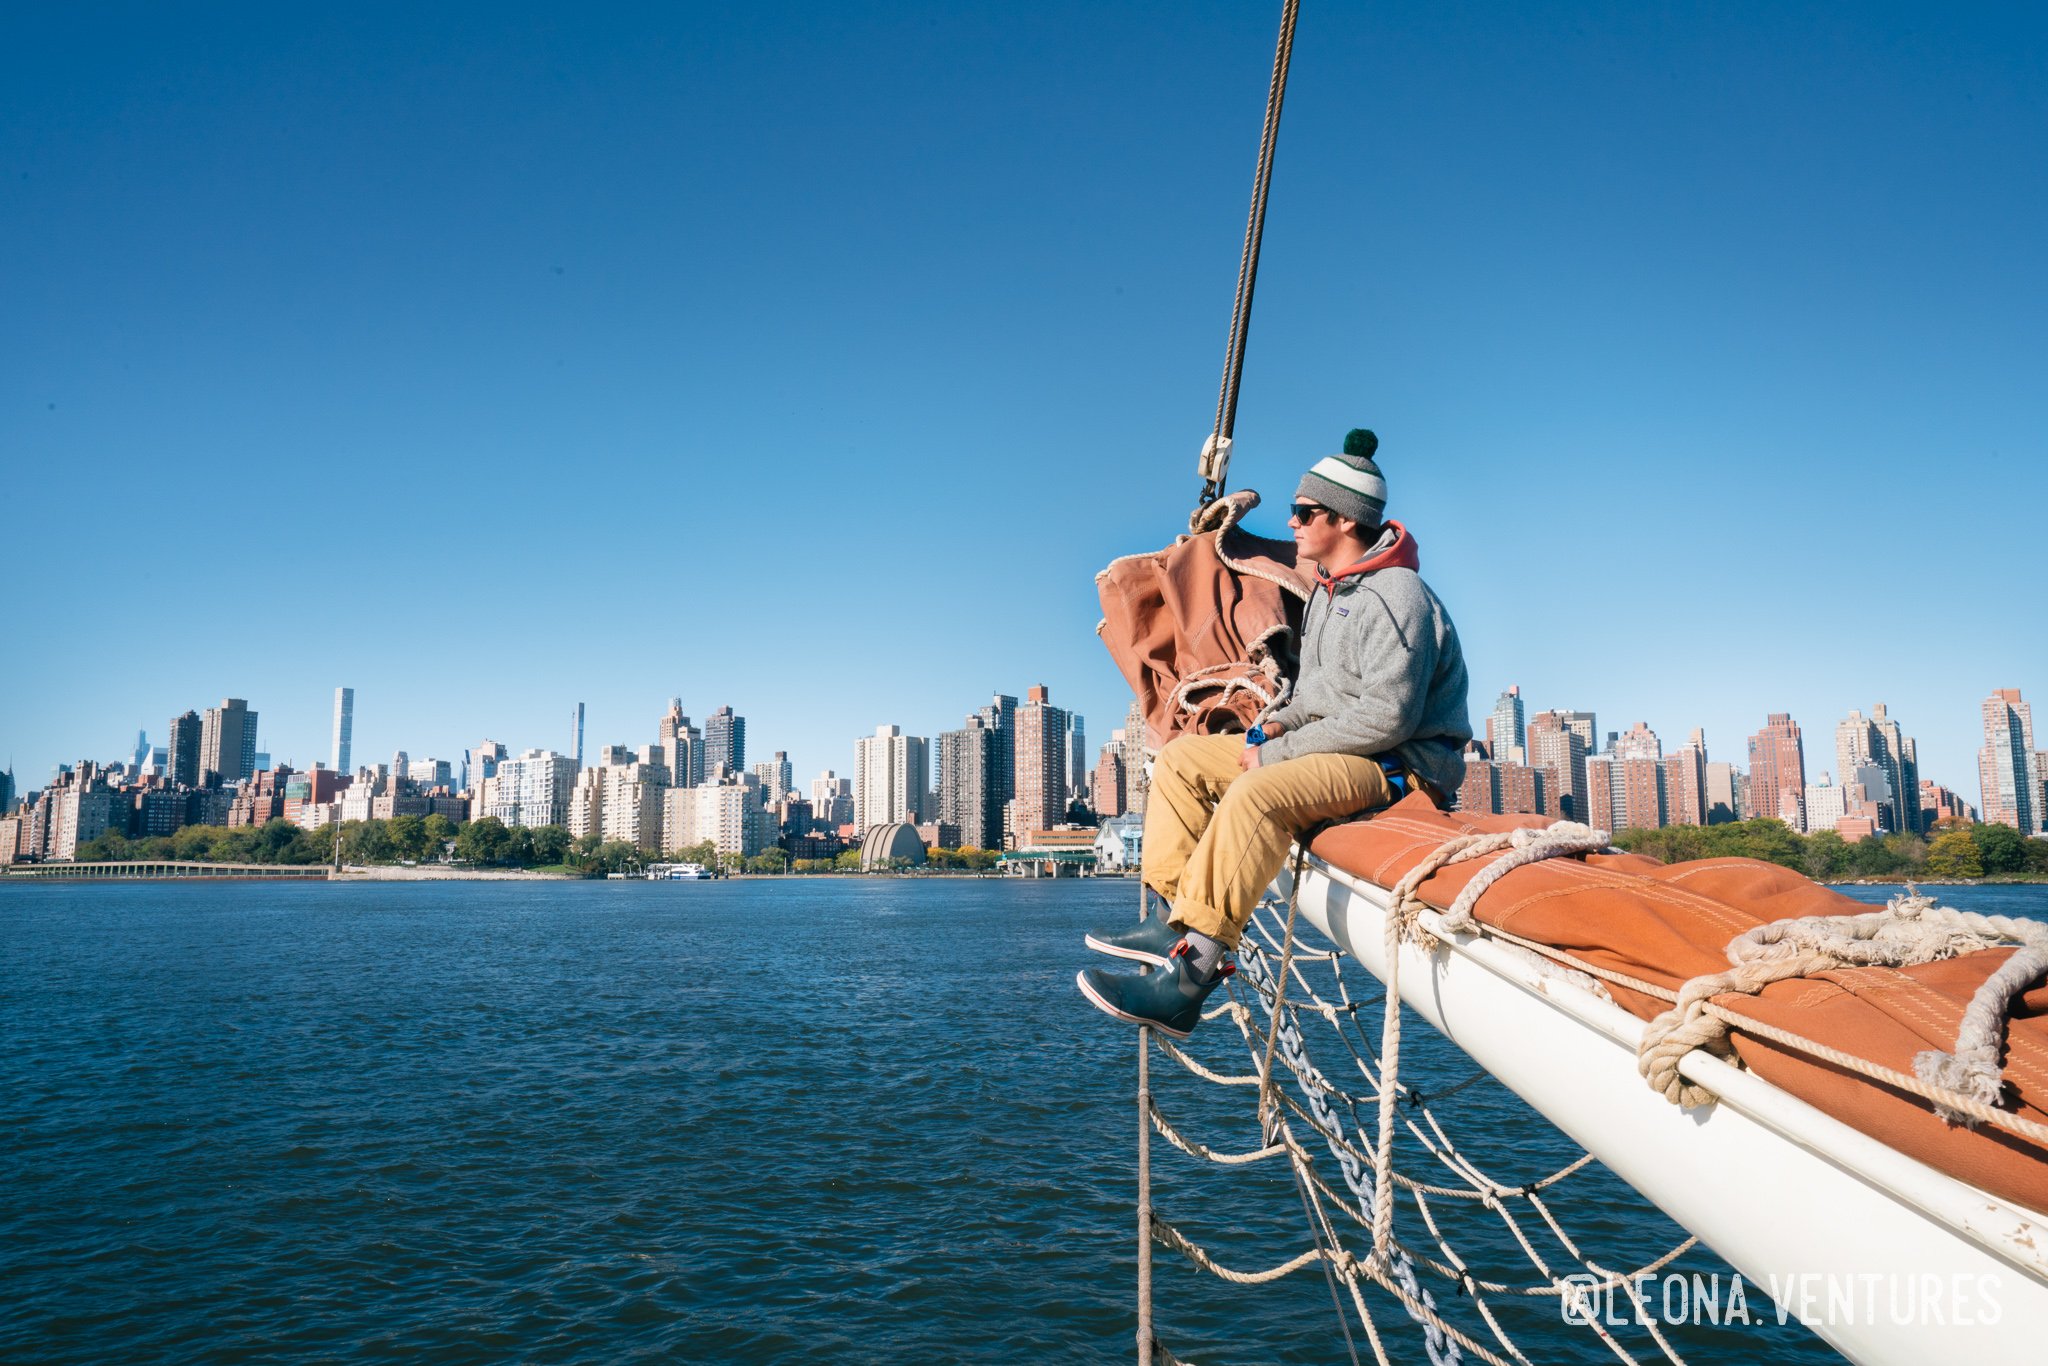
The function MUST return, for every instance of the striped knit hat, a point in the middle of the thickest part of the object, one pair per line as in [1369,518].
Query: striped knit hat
[1349,484]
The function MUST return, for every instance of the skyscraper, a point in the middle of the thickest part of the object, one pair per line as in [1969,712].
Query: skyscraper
[427,774]
[184,750]
[967,784]
[1855,746]
[1724,794]
[227,743]
[534,789]
[482,763]
[1504,728]
[1522,790]
[1498,788]
[576,740]
[728,814]
[1638,742]
[1602,795]
[1877,742]
[681,745]
[2009,771]
[344,728]
[1582,724]
[1560,742]
[1626,793]
[725,744]
[777,778]
[889,778]
[1685,781]
[1777,771]
[1077,757]
[1137,785]
[1822,804]
[1107,792]
[832,800]
[623,798]
[1041,753]
[1899,756]
[1937,803]
[1000,716]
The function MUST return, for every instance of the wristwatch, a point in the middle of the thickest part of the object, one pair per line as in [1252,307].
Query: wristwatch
[1255,736]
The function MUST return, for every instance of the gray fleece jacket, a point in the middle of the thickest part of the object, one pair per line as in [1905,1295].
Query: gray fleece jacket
[1382,673]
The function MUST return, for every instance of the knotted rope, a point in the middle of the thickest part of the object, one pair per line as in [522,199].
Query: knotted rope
[1564,839]
[1911,930]
[1267,1117]
[1523,846]
[1404,923]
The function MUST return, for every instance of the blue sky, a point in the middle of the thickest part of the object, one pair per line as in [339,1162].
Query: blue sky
[812,359]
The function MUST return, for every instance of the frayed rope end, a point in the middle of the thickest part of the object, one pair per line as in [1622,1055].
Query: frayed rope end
[1977,1080]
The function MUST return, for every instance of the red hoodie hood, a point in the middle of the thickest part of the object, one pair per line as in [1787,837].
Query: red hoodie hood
[1402,554]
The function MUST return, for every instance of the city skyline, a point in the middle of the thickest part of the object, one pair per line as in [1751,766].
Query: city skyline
[649,799]
[1058,754]
[1761,284]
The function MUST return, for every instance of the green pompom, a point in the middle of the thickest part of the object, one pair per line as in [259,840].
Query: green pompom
[1360,441]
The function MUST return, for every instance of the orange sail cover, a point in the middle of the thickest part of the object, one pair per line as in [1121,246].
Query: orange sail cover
[1666,923]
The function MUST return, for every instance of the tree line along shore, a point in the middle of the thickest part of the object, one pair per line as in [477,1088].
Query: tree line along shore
[1953,852]
[483,843]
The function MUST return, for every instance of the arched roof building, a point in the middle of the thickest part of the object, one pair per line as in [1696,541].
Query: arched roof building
[885,842]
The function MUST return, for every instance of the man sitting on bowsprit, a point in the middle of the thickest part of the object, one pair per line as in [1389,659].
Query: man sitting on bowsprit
[1379,708]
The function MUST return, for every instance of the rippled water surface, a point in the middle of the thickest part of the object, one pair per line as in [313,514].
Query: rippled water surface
[615,1122]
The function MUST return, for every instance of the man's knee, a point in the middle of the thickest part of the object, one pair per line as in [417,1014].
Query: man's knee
[1180,762]
[1260,792]
[1272,793]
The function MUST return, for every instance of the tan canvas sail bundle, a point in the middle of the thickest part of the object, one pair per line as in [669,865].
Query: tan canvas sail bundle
[1205,630]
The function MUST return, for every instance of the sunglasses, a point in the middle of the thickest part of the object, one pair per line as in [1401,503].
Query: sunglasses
[1305,513]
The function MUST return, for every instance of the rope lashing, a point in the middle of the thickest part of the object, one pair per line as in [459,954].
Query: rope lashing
[1563,840]
[1280,994]
[1215,463]
[1522,847]
[1910,930]
[1404,923]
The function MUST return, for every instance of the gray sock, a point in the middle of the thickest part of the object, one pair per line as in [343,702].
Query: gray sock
[1204,955]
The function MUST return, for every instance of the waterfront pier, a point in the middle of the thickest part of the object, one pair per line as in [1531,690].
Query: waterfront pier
[159,870]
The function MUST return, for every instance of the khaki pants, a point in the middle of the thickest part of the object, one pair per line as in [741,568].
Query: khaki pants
[1215,835]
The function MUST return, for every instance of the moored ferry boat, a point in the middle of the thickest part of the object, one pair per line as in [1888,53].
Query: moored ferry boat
[678,872]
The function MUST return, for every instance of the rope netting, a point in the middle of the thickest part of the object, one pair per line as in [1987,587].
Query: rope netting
[1320,1124]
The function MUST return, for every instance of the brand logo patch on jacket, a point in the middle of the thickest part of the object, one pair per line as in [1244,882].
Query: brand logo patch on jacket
[1343,611]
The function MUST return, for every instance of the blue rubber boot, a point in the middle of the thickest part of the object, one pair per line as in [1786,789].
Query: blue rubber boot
[1168,998]
[1148,940]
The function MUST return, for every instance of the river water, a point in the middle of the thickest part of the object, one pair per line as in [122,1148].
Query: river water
[847,1120]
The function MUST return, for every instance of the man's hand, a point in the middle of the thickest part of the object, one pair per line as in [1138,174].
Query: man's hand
[1249,760]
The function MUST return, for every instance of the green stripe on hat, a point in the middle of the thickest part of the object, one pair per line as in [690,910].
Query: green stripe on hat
[1367,483]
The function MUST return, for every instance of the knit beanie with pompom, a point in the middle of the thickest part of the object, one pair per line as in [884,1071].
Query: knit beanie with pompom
[1349,484]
